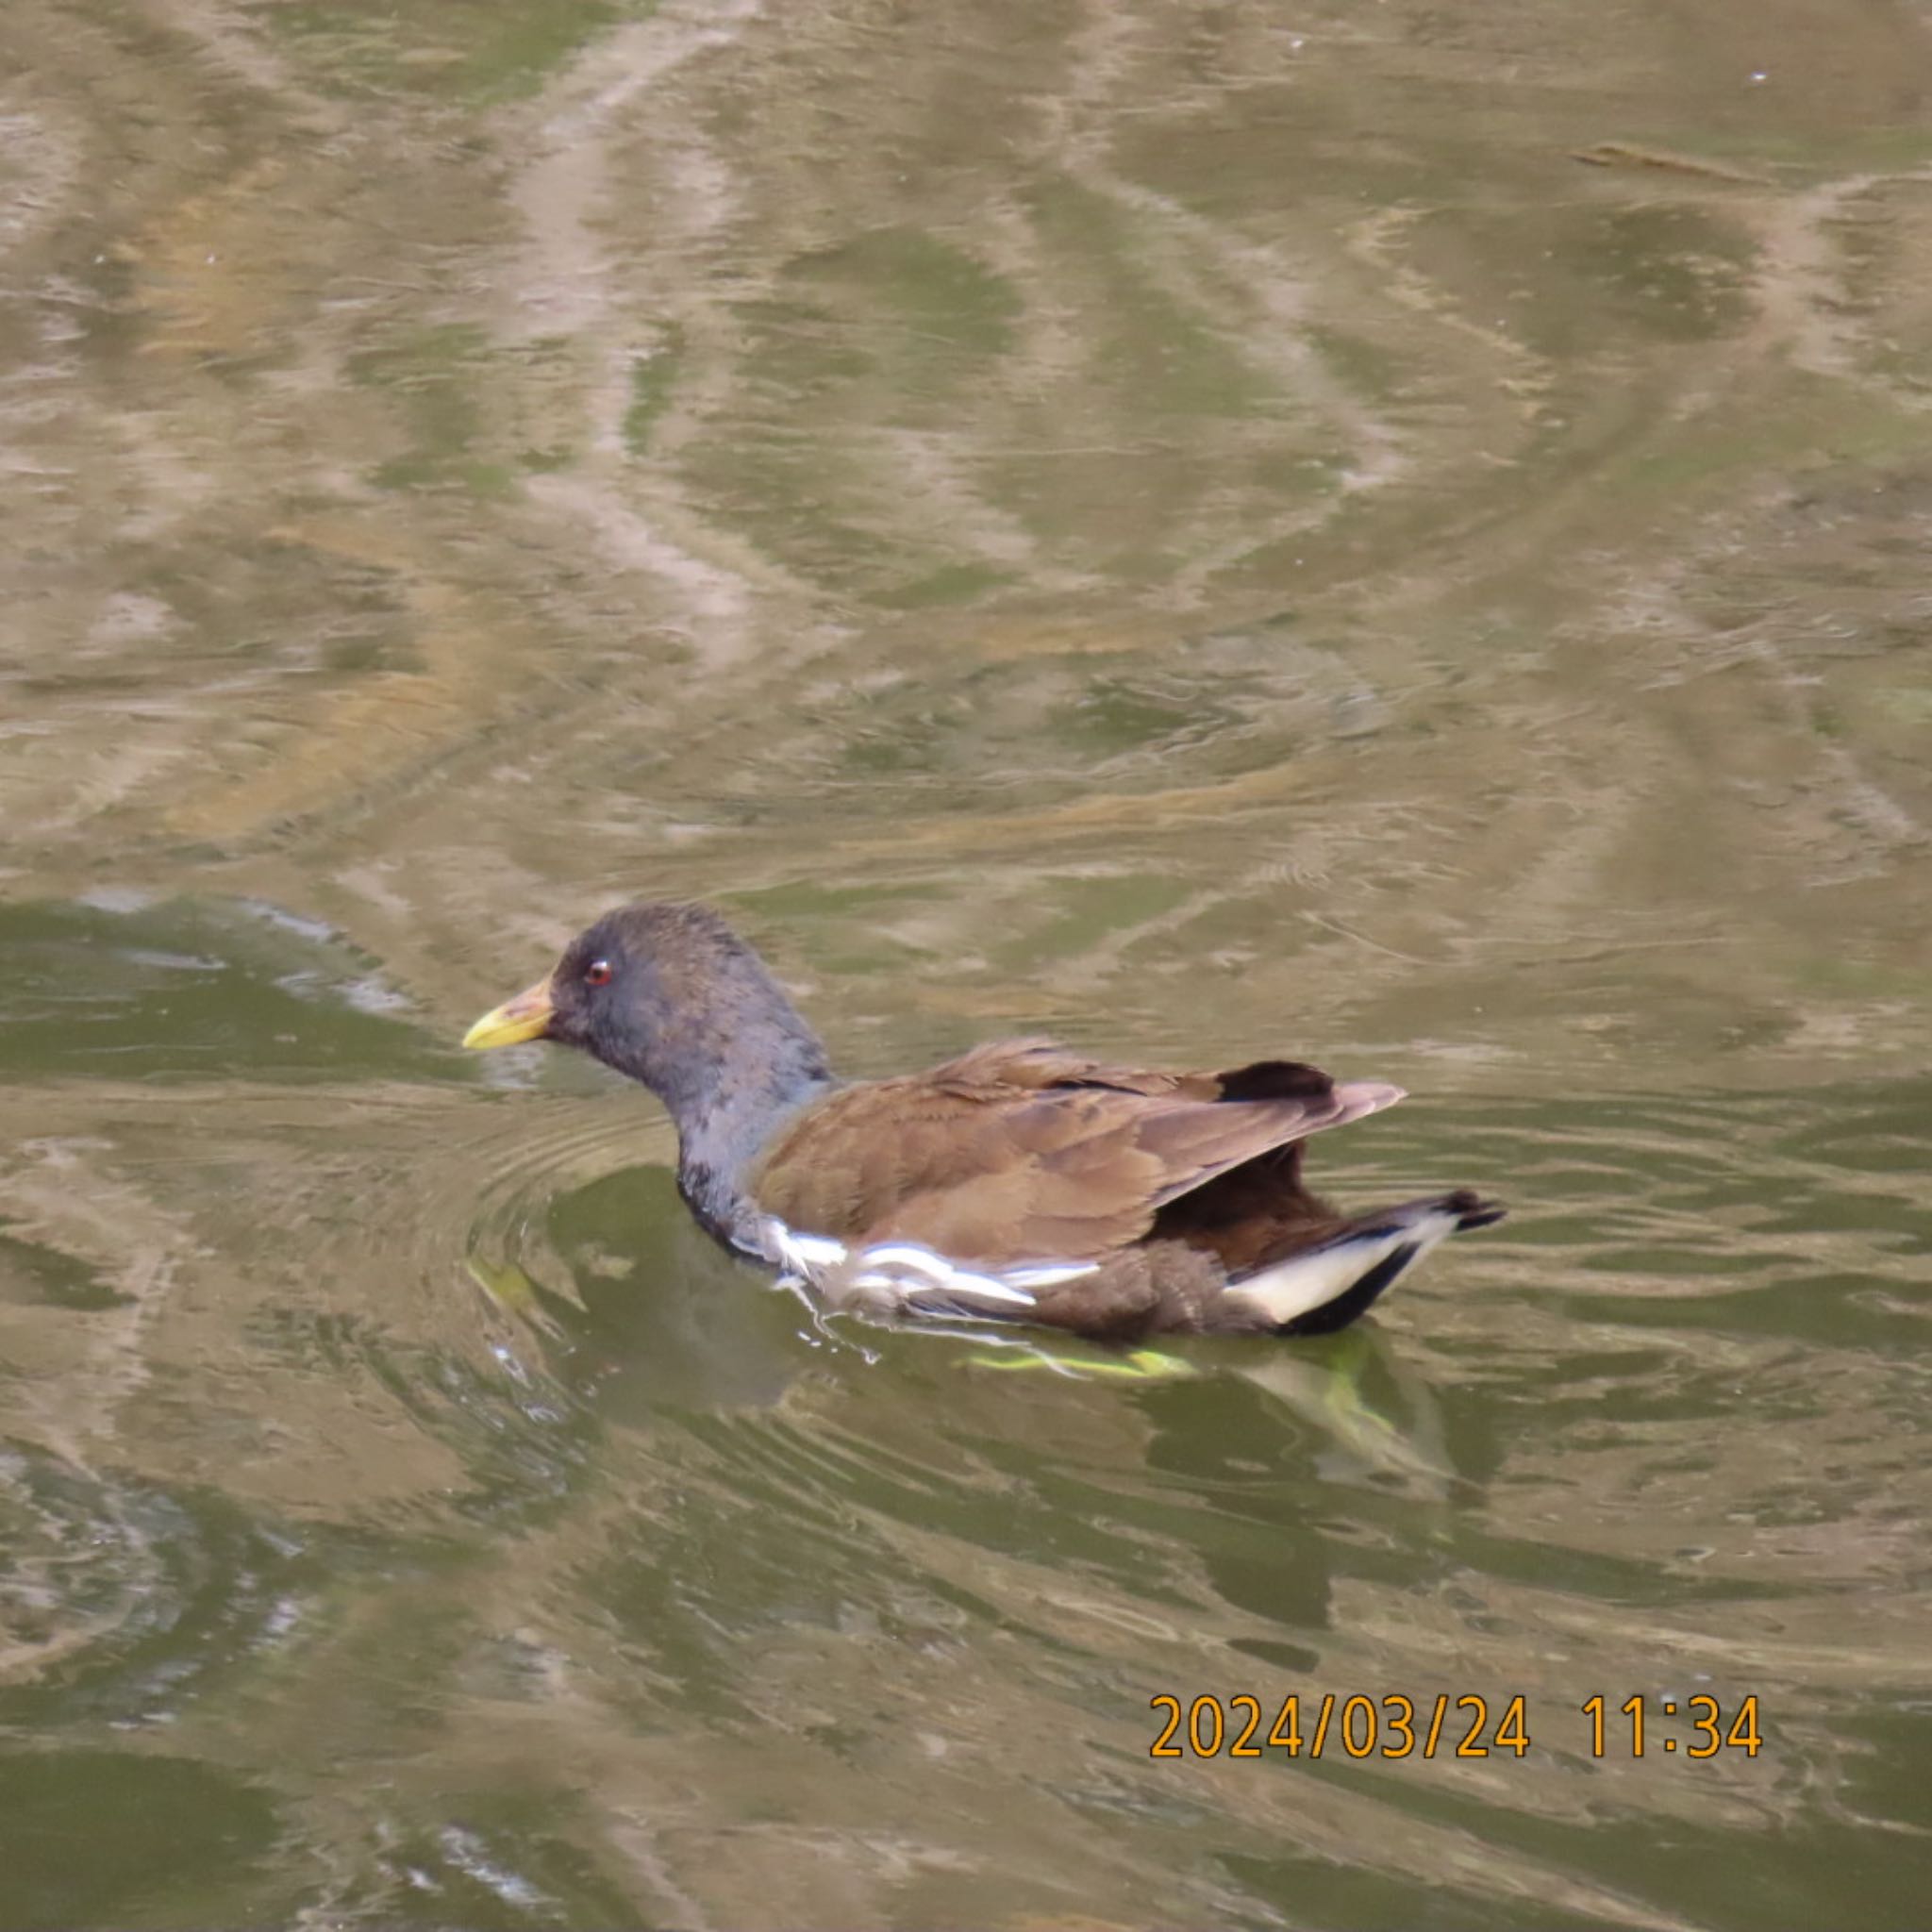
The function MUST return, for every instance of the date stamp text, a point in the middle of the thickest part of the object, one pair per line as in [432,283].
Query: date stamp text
[1397,1726]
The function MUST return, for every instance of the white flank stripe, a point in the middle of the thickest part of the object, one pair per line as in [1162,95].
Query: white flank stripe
[803,1253]
[906,1255]
[986,1288]
[1048,1274]
[903,1272]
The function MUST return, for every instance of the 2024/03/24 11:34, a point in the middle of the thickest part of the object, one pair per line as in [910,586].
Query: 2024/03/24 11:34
[1396,1726]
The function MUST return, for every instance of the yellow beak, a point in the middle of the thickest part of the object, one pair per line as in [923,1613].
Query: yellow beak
[516,1021]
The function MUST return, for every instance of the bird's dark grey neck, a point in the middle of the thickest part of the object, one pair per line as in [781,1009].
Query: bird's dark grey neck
[694,1013]
[727,1113]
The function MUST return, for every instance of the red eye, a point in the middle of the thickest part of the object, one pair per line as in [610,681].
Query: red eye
[597,973]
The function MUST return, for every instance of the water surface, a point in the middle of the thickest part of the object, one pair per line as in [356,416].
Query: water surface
[1381,533]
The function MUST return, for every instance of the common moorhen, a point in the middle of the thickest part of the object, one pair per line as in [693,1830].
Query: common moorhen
[1021,1182]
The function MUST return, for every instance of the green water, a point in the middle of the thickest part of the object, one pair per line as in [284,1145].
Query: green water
[1383,534]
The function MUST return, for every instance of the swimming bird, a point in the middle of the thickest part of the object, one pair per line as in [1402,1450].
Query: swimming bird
[1021,1182]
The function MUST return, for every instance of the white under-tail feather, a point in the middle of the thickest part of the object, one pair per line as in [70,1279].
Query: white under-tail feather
[1310,1280]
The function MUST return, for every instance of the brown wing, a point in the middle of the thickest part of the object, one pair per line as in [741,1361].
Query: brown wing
[1023,1150]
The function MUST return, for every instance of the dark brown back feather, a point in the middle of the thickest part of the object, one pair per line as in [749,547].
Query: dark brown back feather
[1023,1150]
